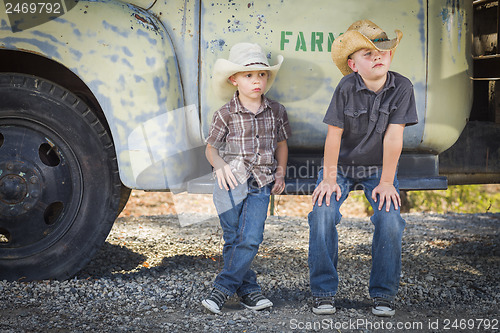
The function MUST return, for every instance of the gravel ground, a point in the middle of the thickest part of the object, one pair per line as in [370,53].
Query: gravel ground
[153,271]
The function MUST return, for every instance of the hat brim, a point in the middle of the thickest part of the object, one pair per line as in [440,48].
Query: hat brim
[352,41]
[223,69]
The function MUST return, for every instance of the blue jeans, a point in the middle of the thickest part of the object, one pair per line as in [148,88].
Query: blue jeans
[386,244]
[242,212]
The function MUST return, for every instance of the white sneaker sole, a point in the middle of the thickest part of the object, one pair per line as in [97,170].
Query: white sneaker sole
[210,307]
[258,307]
[324,311]
[383,312]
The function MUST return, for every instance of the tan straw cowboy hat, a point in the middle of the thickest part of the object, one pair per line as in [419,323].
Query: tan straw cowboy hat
[243,57]
[363,34]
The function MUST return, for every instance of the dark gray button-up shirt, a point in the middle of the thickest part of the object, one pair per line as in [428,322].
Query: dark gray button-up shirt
[364,115]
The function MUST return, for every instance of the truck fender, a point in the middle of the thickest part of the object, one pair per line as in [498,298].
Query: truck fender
[125,56]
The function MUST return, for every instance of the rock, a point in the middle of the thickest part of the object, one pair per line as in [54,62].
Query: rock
[437,283]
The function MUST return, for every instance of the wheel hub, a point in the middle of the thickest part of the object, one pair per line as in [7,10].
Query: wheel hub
[12,189]
[20,188]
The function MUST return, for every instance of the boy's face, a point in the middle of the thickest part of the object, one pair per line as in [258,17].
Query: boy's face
[371,64]
[251,84]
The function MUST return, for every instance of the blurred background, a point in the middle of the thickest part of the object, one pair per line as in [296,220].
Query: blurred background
[456,199]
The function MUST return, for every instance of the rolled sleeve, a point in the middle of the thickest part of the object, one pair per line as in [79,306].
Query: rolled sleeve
[218,131]
[284,131]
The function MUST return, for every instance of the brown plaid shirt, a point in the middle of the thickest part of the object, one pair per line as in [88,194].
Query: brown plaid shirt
[248,141]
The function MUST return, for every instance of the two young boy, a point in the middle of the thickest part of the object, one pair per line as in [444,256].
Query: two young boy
[247,148]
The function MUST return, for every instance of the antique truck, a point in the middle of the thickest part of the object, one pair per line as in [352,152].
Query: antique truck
[100,97]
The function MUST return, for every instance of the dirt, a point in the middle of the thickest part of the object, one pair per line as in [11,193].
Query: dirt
[164,251]
[448,283]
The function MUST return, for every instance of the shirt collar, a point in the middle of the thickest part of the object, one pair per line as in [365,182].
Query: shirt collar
[360,84]
[237,107]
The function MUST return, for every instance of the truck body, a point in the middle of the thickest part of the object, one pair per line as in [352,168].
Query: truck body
[107,96]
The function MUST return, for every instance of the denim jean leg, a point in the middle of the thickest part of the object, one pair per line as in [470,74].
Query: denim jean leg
[323,244]
[243,226]
[228,204]
[386,246]
[254,215]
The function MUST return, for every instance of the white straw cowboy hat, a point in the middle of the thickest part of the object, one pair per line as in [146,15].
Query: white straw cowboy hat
[243,57]
[362,34]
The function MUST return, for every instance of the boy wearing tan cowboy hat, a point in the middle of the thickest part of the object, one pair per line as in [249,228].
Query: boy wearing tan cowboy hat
[247,148]
[366,118]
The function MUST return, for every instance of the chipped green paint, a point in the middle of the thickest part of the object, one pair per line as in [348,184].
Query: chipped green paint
[123,54]
[449,87]
[149,64]
[308,77]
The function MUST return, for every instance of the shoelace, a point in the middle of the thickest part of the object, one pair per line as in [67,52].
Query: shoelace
[383,302]
[255,297]
[323,301]
[218,297]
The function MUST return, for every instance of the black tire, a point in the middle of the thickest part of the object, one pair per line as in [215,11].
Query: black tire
[59,183]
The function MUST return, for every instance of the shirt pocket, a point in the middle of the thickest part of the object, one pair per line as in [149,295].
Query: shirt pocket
[356,120]
[383,120]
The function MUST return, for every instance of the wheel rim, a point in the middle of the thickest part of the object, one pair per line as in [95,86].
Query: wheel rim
[40,187]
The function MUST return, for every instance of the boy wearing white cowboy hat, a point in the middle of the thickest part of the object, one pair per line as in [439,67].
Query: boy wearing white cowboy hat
[247,148]
[366,118]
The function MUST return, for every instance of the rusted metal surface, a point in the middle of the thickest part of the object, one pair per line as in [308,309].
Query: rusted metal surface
[125,56]
[150,70]
[449,69]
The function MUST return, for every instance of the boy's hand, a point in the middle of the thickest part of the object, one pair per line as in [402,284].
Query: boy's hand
[279,185]
[225,177]
[326,188]
[387,193]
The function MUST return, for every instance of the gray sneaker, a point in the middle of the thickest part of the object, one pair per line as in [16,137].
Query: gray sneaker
[255,301]
[215,301]
[383,307]
[324,305]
